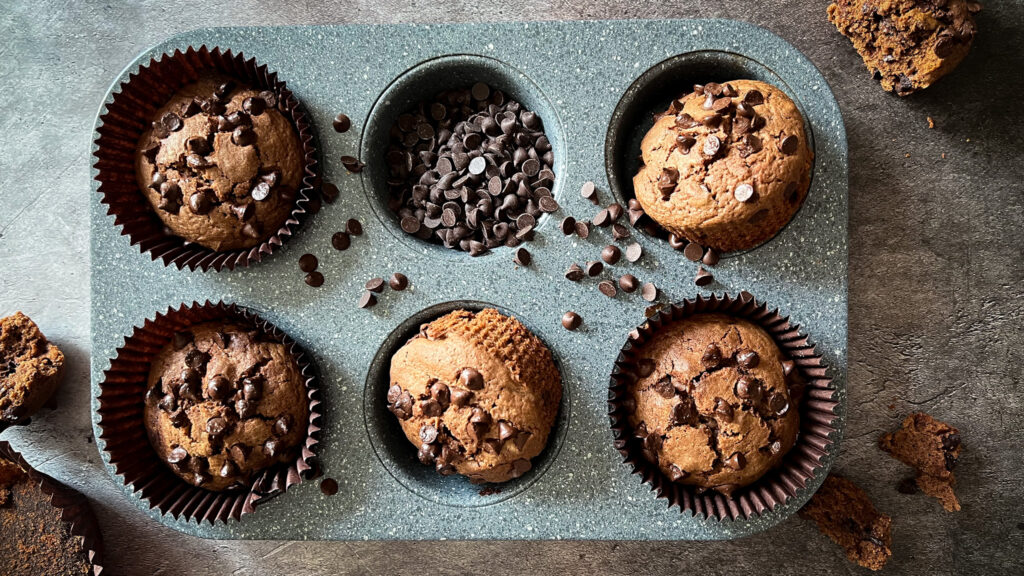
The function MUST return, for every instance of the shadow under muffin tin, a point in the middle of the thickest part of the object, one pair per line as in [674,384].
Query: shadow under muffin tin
[595,94]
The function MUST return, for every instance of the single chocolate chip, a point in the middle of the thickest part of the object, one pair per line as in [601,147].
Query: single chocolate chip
[245,409]
[218,388]
[547,204]
[522,256]
[272,448]
[428,434]
[711,257]
[342,123]
[308,263]
[216,426]
[574,273]
[787,367]
[243,136]
[252,388]
[260,192]
[398,282]
[629,283]
[703,277]
[602,219]
[571,320]
[712,357]
[723,410]
[582,229]
[633,252]
[778,404]
[607,287]
[748,359]
[754,98]
[711,146]
[341,241]
[649,292]
[789,145]
[201,202]
[471,379]
[743,192]
[611,254]
[589,192]
[567,225]
[177,456]
[477,165]
[354,227]
[737,461]
[375,285]
[315,279]
[367,299]
[747,388]
[693,252]
[394,392]
[460,397]
[594,268]
[283,425]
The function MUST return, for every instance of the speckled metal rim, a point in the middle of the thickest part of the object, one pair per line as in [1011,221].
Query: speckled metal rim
[424,80]
[805,461]
[124,122]
[75,510]
[123,437]
[647,96]
[398,456]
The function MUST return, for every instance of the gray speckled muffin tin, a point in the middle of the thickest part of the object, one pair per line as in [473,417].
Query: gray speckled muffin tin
[595,85]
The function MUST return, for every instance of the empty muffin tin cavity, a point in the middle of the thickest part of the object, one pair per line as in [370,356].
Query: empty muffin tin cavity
[653,91]
[398,455]
[422,83]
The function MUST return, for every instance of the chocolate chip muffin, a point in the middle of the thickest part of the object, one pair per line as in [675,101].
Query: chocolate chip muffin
[30,369]
[714,402]
[726,166]
[34,539]
[907,44]
[477,394]
[223,403]
[844,513]
[220,164]
[932,448]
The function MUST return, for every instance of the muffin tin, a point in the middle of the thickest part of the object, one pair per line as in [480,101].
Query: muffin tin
[595,85]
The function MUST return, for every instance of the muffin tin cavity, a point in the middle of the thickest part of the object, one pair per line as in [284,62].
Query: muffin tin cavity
[653,91]
[421,84]
[398,455]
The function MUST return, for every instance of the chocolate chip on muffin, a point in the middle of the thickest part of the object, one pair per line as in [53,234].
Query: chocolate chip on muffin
[844,513]
[712,402]
[907,44]
[220,164]
[726,166]
[477,393]
[932,448]
[30,369]
[224,403]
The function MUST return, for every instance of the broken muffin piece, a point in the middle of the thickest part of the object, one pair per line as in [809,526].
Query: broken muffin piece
[844,513]
[931,447]
[30,369]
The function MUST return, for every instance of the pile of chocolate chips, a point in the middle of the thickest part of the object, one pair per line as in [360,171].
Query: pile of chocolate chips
[471,170]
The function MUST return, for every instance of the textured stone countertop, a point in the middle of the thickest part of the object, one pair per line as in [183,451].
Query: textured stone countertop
[936,285]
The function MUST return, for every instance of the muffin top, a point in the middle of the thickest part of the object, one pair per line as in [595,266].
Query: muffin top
[907,44]
[30,368]
[712,401]
[224,403]
[220,164]
[476,393]
[34,539]
[726,166]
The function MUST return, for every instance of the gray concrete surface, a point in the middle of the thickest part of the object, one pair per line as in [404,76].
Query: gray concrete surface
[936,272]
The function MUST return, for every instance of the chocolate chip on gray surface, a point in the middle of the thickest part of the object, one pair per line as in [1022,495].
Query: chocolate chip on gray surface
[375,285]
[711,257]
[693,252]
[354,227]
[676,242]
[703,277]
[352,164]
[571,320]
[620,232]
[583,229]
[567,225]
[341,241]
[329,192]
[634,251]
[593,268]
[607,287]
[589,192]
[342,123]
[522,256]
[367,299]
[308,263]
[574,273]
[603,218]
[649,292]
[628,283]
[315,279]
[398,282]
[329,486]
[611,254]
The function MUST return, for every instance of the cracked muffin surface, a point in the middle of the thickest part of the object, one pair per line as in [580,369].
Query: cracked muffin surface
[220,164]
[907,44]
[477,393]
[30,368]
[714,402]
[224,403]
[726,166]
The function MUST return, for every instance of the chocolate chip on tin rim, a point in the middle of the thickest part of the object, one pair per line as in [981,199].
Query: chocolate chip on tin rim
[352,164]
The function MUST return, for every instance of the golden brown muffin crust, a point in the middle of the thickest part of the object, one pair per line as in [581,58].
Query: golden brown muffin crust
[30,368]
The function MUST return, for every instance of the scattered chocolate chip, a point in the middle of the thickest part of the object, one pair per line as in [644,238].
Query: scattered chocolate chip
[602,219]
[649,292]
[308,263]
[633,252]
[367,299]
[571,320]
[574,273]
[341,241]
[522,256]
[315,279]
[329,486]
[352,164]
[711,257]
[607,287]
[583,229]
[354,227]
[428,434]
[375,285]
[260,192]
[693,252]
[398,282]
[629,283]
[703,277]
[589,192]
[342,123]
[611,254]
[594,268]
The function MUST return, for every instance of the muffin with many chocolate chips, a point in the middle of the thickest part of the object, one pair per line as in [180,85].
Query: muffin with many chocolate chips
[224,403]
[220,164]
[932,448]
[713,401]
[30,369]
[726,166]
[477,393]
[471,170]
[844,513]
[907,44]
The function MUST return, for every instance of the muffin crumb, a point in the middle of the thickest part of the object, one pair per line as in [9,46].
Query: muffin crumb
[844,513]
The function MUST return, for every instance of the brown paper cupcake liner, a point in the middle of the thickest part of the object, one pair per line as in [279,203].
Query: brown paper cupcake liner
[74,508]
[122,403]
[817,407]
[127,117]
